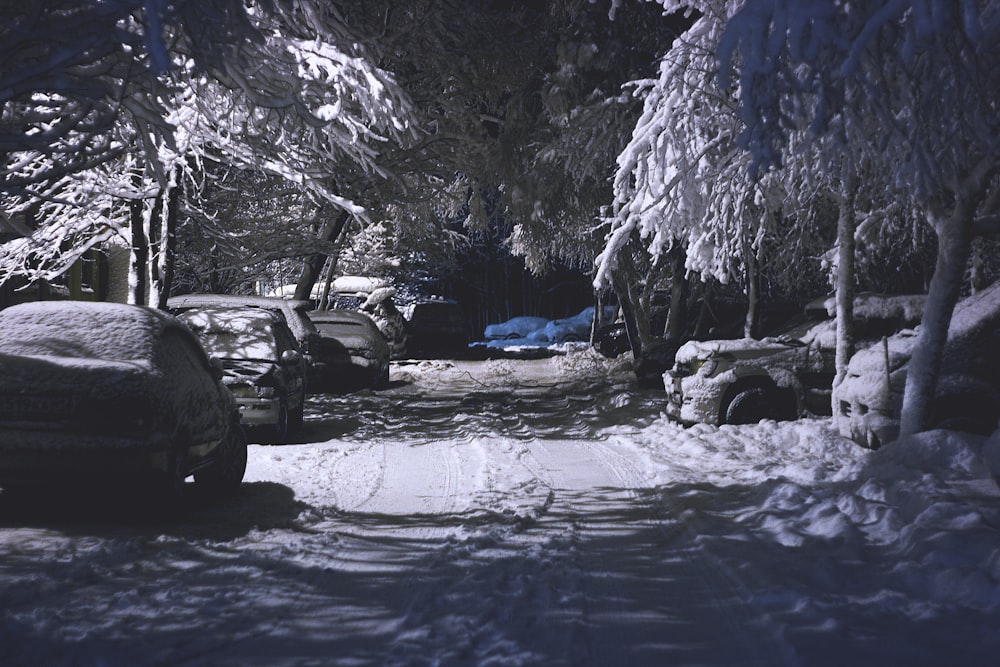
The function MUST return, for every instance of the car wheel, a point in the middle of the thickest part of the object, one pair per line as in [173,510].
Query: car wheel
[754,404]
[281,427]
[225,474]
[978,422]
[297,416]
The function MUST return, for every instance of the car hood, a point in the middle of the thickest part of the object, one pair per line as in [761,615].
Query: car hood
[746,348]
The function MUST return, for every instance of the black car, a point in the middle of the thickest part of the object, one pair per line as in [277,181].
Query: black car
[114,392]
[263,365]
[437,327]
[292,311]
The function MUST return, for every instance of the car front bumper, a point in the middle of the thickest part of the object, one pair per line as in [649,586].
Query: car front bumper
[259,411]
[31,455]
[692,399]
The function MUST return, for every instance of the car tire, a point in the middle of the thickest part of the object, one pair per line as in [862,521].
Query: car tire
[383,381]
[282,427]
[178,466]
[967,416]
[297,416]
[751,405]
[225,475]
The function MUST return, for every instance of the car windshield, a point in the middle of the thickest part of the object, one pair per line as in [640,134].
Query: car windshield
[334,328]
[237,334]
[246,345]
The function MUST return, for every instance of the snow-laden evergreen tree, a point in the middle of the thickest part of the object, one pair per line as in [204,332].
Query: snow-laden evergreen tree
[684,182]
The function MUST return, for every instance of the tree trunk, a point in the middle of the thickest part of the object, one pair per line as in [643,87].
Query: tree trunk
[168,248]
[673,330]
[751,259]
[846,226]
[312,267]
[954,243]
[163,247]
[625,281]
[140,254]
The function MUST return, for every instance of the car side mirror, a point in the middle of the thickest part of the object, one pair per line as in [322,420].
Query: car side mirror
[291,358]
[215,364]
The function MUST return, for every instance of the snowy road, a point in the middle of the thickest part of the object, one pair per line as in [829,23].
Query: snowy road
[514,513]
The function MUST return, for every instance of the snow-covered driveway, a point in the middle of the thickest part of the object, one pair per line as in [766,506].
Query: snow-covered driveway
[517,513]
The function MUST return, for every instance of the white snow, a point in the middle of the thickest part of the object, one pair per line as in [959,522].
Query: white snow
[494,513]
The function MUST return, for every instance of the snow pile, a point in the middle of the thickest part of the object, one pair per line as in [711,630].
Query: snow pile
[533,513]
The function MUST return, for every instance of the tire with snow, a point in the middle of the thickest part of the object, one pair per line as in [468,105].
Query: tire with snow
[297,416]
[225,474]
[754,404]
[969,414]
[282,426]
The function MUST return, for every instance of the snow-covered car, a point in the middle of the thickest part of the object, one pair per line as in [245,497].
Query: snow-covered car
[263,366]
[573,329]
[437,327]
[870,398]
[294,312]
[374,297]
[356,352]
[112,391]
[781,377]
[516,327]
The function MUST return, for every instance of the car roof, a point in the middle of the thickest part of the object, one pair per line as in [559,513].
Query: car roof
[338,315]
[231,300]
[211,315]
[294,310]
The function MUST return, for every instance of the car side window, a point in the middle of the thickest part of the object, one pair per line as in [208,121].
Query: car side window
[284,339]
[183,358]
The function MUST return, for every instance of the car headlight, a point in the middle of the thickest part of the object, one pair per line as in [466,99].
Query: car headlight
[707,367]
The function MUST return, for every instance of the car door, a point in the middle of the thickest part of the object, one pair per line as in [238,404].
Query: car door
[191,388]
[294,373]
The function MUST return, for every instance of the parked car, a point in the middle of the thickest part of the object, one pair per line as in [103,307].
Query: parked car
[514,328]
[120,393]
[263,366]
[870,398]
[744,380]
[437,327]
[356,352]
[294,312]
[573,329]
[374,297]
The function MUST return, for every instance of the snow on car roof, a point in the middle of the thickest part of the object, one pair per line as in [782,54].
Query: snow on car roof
[81,329]
[339,315]
[870,305]
[972,310]
[355,284]
[230,300]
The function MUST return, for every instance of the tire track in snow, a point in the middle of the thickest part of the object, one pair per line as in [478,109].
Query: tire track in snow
[634,566]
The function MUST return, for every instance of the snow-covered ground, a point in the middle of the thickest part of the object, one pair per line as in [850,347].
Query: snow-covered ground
[513,512]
